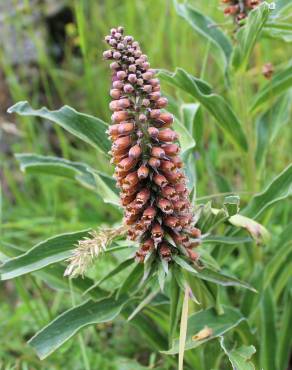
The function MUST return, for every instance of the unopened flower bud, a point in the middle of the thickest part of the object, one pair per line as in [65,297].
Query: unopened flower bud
[143,172]
[107,54]
[161,102]
[167,135]
[120,116]
[142,117]
[154,162]
[121,75]
[166,118]
[132,68]
[147,88]
[145,102]
[115,93]
[127,163]
[128,89]
[135,151]
[165,205]
[155,113]
[170,149]
[118,84]
[114,65]
[155,95]
[160,180]
[153,132]
[116,55]
[157,152]
[132,78]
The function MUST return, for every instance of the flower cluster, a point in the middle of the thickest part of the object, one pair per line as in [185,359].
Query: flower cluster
[145,152]
[239,9]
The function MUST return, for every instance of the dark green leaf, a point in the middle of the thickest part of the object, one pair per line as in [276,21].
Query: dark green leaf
[248,35]
[100,183]
[217,325]
[214,103]
[279,189]
[50,251]
[269,124]
[239,357]
[90,129]
[278,30]
[132,281]
[207,28]
[70,322]
[268,337]
[285,337]
[279,83]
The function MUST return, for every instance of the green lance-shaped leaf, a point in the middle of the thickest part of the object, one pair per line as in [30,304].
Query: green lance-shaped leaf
[45,253]
[207,325]
[279,83]
[269,124]
[208,29]
[285,338]
[248,35]
[268,337]
[70,322]
[240,358]
[90,129]
[279,189]
[278,30]
[100,183]
[215,104]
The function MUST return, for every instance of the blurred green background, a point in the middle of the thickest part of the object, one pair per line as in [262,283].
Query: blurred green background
[51,54]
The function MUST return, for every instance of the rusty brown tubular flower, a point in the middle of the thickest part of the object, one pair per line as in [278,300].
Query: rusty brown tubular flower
[145,152]
[239,9]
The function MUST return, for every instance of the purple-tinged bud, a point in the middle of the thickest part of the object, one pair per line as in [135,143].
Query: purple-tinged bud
[128,89]
[154,81]
[160,180]
[137,54]
[135,151]
[107,54]
[128,38]
[118,35]
[145,102]
[132,78]
[142,117]
[113,31]
[155,95]
[146,65]
[165,205]
[157,152]
[120,116]
[161,102]
[154,162]
[143,172]
[117,55]
[112,42]
[147,76]
[107,38]
[135,44]
[118,84]
[132,68]
[131,60]
[120,46]
[155,113]
[140,81]
[121,75]
[139,62]
[153,132]
[120,29]
[115,93]
[114,65]
[147,88]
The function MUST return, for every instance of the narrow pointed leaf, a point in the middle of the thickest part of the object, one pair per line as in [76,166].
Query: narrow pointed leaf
[215,104]
[279,83]
[279,189]
[100,183]
[90,129]
[70,322]
[208,29]
[45,253]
